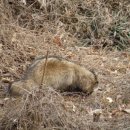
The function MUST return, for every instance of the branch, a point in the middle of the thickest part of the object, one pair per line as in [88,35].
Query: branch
[44,69]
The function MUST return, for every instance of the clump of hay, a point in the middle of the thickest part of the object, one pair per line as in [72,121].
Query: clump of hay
[43,109]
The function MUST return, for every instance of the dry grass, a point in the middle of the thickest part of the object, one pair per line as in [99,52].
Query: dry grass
[67,28]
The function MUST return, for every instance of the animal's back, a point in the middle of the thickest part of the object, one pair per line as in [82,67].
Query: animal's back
[58,72]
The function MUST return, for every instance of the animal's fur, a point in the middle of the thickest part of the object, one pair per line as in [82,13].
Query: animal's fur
[59,73]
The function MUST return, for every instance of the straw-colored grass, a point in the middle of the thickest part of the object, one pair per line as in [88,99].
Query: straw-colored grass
[95,34]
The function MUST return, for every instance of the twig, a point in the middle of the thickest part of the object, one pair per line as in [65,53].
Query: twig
[44,69]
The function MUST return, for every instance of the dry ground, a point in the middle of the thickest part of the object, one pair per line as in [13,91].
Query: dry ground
[25,33]
[73,111]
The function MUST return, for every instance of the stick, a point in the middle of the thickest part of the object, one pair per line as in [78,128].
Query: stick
[44,70]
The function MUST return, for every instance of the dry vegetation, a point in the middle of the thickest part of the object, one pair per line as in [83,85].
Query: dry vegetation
[93,33]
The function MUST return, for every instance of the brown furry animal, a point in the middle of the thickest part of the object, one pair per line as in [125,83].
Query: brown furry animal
[59,73]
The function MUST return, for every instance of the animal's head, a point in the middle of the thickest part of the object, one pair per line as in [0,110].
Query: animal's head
[95,78]
[89,81]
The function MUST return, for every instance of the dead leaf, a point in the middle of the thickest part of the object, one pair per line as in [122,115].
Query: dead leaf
[70,55]
[57,40]
[109,99]
[116,113]
[74,108]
